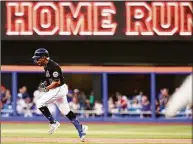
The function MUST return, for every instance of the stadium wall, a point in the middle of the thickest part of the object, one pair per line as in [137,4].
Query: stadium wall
[104,71]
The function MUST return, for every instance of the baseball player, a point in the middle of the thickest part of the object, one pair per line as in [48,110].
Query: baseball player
[55,92]
[181,98]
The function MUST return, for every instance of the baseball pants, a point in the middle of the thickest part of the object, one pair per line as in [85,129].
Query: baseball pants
[57,96]
[181,98]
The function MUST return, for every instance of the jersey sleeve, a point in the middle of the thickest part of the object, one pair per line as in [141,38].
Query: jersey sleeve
[56,75]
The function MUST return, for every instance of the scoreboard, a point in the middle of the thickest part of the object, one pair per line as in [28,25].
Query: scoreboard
[97,20]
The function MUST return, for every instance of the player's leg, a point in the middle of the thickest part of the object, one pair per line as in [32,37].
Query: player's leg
[63,106]
[42,103]
[181,98]
[65,110]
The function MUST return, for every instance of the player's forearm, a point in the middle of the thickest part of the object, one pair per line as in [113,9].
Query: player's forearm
[53,85]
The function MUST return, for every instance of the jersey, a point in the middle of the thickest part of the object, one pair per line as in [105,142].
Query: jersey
[53,72]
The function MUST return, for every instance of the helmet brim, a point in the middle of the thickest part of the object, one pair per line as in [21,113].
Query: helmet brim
[36,57]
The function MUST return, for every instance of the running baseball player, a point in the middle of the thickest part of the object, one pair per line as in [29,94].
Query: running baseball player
[55,92]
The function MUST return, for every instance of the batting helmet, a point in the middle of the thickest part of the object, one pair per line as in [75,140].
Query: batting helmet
[39,53]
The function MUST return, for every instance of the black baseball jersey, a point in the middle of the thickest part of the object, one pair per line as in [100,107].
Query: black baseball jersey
[53,72]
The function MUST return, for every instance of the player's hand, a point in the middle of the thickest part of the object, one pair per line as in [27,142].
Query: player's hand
[42,87]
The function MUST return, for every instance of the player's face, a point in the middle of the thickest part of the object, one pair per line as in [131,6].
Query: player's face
[40,62]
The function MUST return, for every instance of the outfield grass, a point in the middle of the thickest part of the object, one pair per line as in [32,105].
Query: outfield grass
[107,134]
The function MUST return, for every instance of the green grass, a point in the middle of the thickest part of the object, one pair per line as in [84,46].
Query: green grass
[83,143]
[96,131]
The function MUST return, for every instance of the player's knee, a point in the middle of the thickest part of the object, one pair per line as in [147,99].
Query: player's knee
[40,104]
[65,111]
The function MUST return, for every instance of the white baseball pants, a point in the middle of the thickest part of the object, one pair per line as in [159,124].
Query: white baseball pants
[181,98]
[57,96]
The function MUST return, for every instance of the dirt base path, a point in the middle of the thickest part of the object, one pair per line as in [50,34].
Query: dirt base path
[99,140]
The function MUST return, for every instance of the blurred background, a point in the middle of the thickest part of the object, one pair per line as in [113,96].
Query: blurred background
[122,87]
[116,79]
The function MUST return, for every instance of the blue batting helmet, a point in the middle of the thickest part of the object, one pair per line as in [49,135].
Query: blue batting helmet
[39,53]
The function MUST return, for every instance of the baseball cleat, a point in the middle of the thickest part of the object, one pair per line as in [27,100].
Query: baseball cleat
[83,133]
[53,127]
